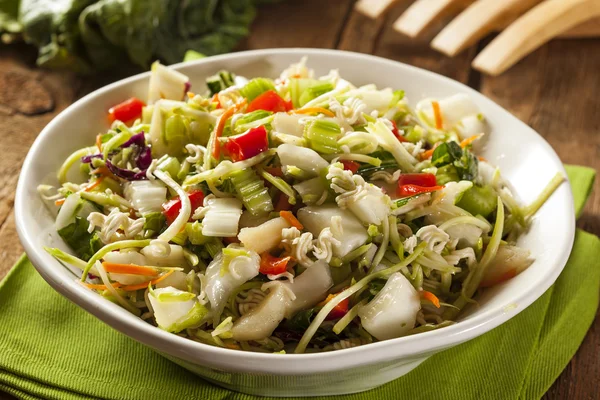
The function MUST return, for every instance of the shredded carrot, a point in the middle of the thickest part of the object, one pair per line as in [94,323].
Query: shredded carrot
[99,142]
[131,288]
[129,269]
[289,217]
[232,346]
[426,155]
[191,95]
[314,110]
[437,113]
[221,125]
[431,297]
[470,140]
[101,286]
[327,300]
[104,171]
[482,159]
[94,184]
[59,202]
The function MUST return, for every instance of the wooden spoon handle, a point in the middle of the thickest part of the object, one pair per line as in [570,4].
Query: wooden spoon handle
[422,13]
[540,24]
[479,19]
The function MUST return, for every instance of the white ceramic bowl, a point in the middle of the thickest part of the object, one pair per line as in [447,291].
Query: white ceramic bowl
[525,158]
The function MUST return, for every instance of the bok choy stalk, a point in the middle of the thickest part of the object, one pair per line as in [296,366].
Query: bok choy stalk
[176,310]
[222,218]
[225,274]
[318,320]
[477,273]
[393,311]
[390,143]
[365,200]
[262,320]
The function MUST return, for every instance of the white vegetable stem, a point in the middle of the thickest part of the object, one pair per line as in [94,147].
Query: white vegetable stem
[184,213]
[312,329]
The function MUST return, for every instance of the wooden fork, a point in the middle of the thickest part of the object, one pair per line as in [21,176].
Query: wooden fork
[540,24]
[528,24]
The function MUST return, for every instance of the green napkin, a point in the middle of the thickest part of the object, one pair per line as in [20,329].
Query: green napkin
[50,348]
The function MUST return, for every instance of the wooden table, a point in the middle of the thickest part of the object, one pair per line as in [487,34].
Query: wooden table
[554,90]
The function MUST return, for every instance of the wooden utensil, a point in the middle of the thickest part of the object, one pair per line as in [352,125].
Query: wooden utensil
[481,18]
[423,13]
[540,24]
[526,25]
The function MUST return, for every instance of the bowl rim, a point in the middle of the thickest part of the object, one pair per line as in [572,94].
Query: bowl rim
[410,347]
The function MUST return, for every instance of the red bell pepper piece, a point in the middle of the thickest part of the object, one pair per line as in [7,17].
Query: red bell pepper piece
[172,207]
[422,179]
[412,190]
[273,265]
[339,310]
[248,144]
[269,101]
[126,111]
[396,132]
[350,165]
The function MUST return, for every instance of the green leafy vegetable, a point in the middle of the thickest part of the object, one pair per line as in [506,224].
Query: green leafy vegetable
[83,243]
[92,35]
[464,162]
[155,222]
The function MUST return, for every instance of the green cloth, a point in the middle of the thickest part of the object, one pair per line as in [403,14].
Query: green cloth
[50,348]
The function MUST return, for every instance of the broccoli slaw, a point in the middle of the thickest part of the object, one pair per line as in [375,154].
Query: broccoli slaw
[297,214]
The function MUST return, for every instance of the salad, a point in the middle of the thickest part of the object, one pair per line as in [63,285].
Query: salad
[299,214]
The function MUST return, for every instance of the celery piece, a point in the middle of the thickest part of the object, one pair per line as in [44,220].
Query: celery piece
[316,89]
[445,174]
[281,185]
[170,165]
[176,130]
[323,136]
[213,247]
[478,201]
[180,238]
[252,191]
[297,86]
[194,233]
[221,80]
[256,87]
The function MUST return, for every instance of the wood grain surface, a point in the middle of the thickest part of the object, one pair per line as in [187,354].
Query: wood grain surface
[554,90]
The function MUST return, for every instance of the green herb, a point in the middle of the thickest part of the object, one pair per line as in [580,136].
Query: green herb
[83,243]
